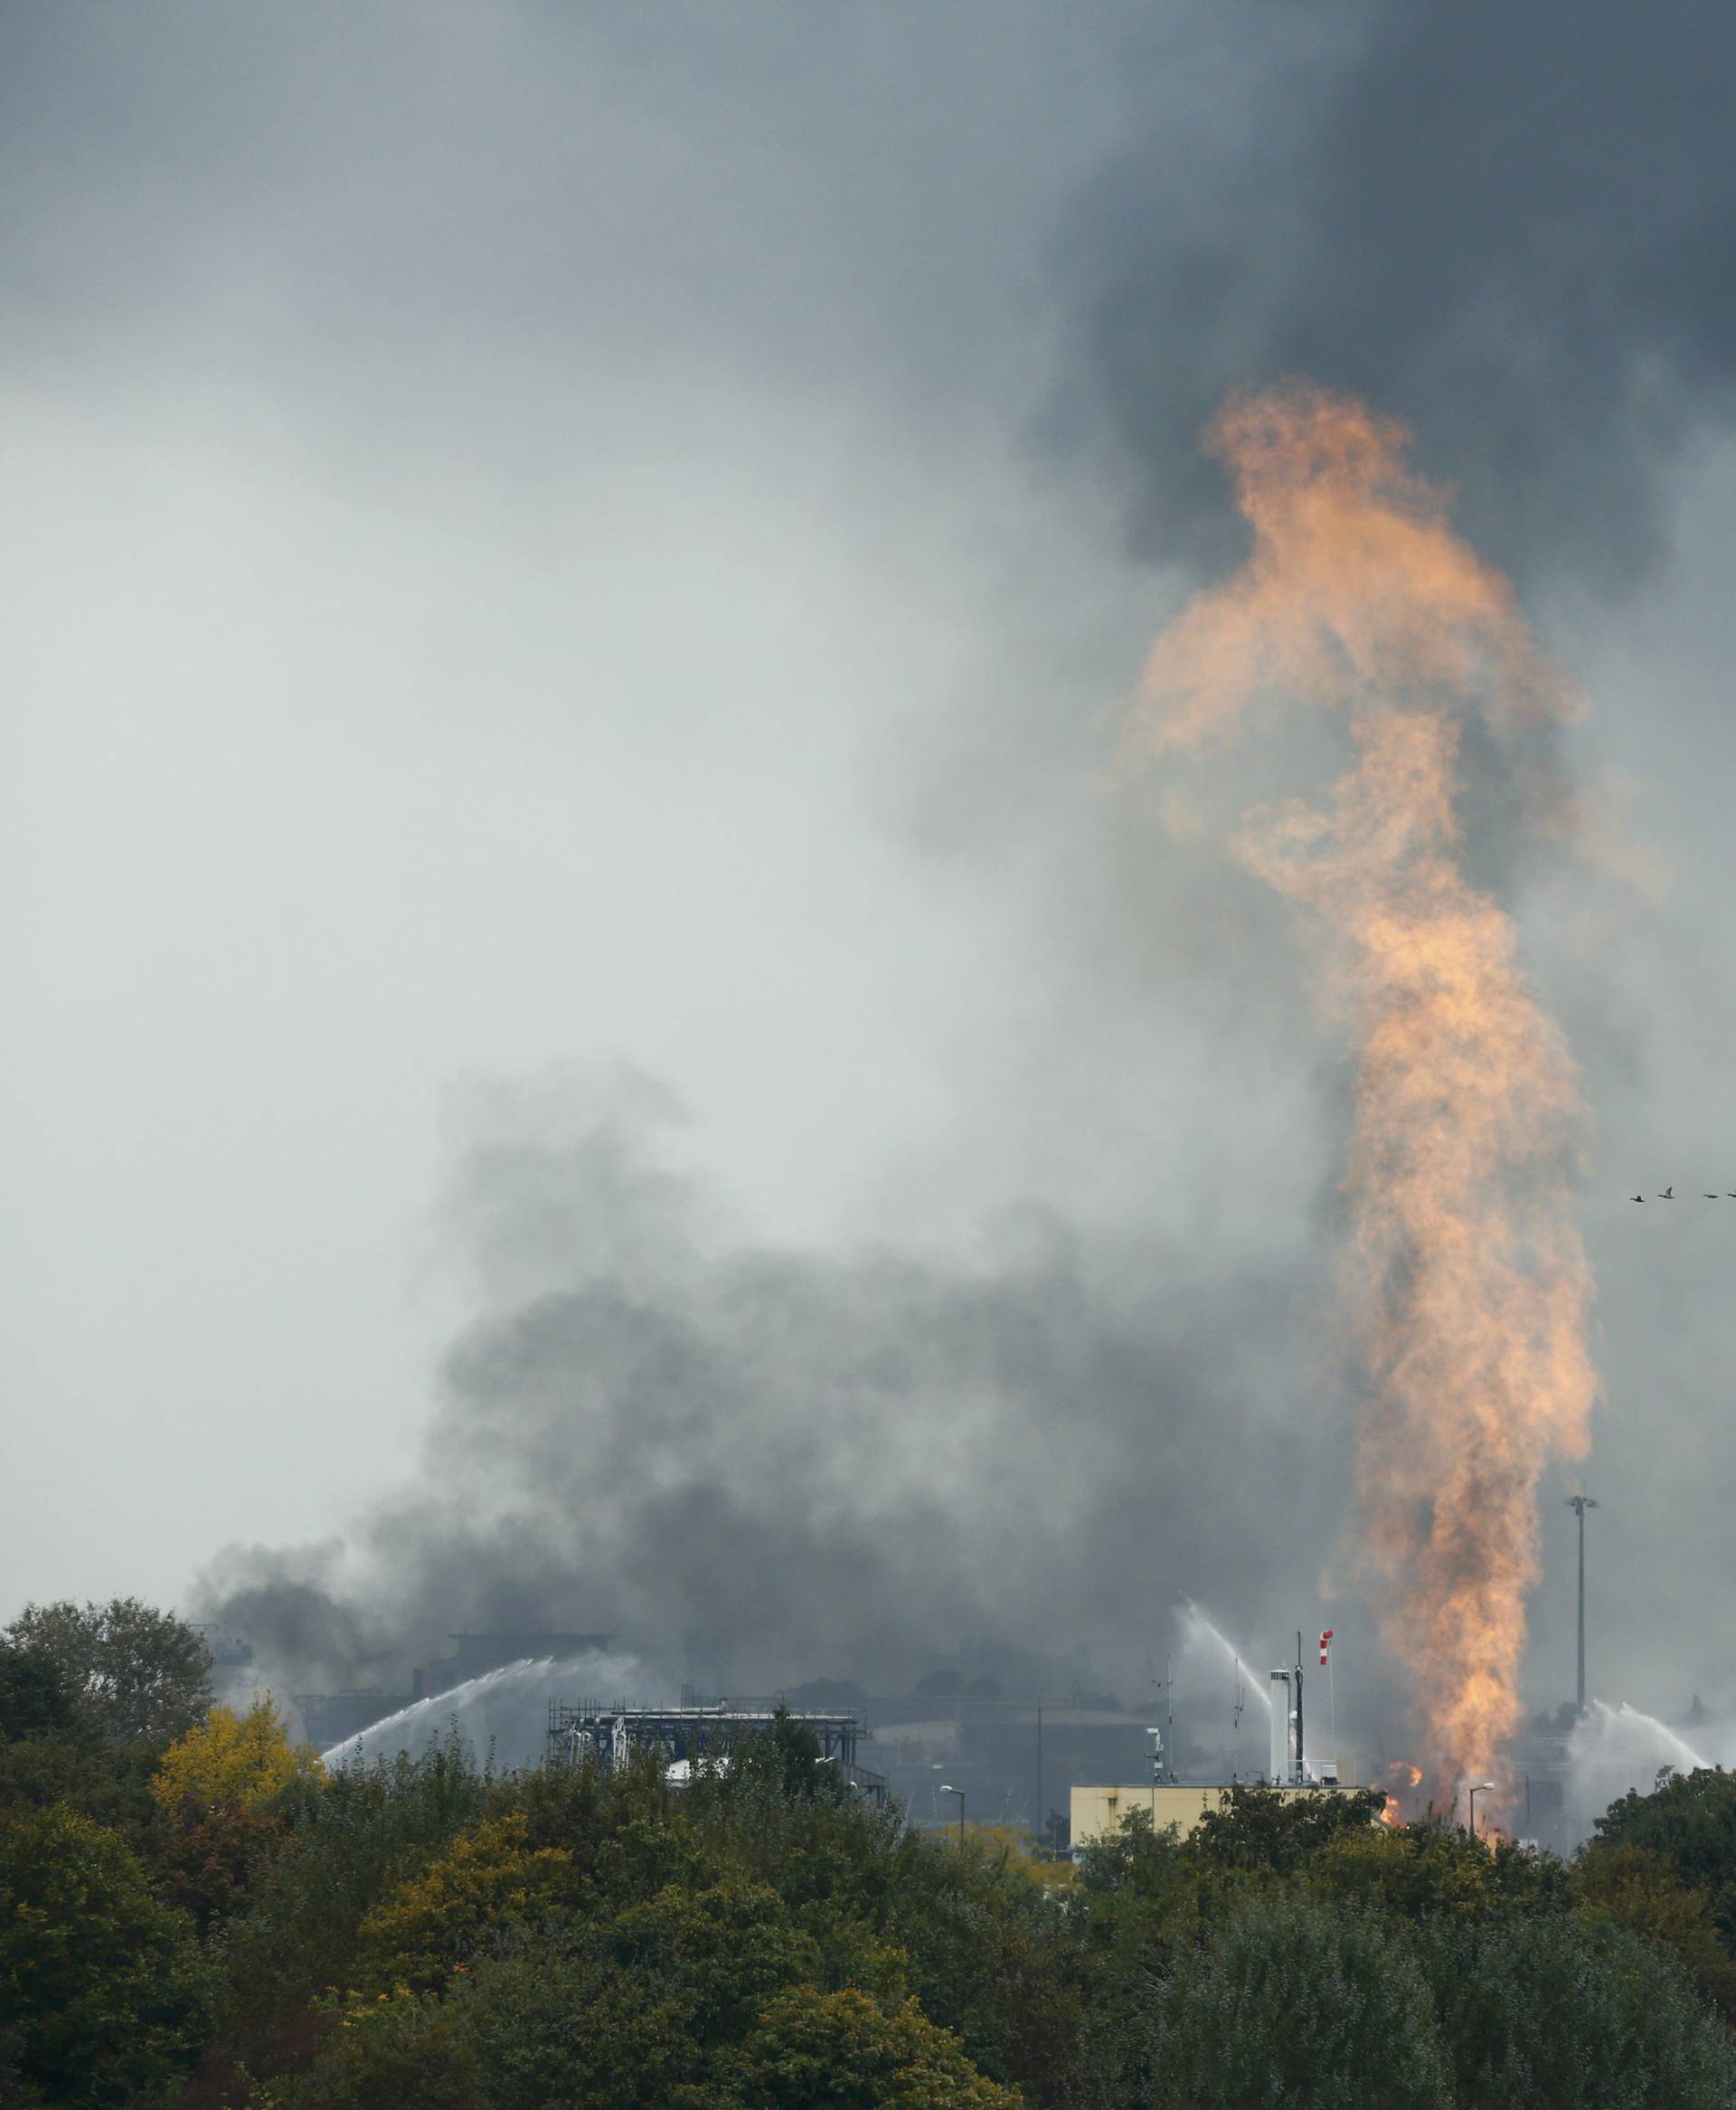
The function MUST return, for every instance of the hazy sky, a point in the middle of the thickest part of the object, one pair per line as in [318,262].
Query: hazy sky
[575,564]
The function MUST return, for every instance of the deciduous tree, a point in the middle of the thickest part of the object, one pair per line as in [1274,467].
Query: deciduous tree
[1297,2002]
[839,2049]
[244,1759]
[137,1675]
[100,1982]
[36,1695]
[489,1879]
[1692,1821]
[395,2053]
[1631,1886]
[1544,2012]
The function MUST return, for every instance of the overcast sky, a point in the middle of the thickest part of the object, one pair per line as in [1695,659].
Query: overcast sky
[575,564]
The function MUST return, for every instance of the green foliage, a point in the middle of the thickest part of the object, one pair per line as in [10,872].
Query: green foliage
[1432,1870]
[625,1832]
[720,1952]
[629,2011]
[206,1867]
[555,2023]
[1258,1830]
[838,2048]
[135,1675]
[345,1849]
[1544,2012]
[1140,1890]
[1298,2002]
[1691,1822]
[978,1932]
[100,1982]
[112,1786]
[418,1931]
[36,1695]
[1632,1888]
[488,1879]
[1140,1905]
[789,1757]
[380,2055]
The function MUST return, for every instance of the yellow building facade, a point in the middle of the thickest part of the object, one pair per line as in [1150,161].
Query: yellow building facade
[1096,1812]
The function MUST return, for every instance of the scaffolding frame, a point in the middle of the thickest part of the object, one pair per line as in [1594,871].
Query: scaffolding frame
[608,1734]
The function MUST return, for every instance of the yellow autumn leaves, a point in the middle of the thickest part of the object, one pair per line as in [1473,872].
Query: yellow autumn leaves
[246,1759]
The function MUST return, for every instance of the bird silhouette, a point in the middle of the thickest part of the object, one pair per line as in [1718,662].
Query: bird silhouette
[1668,1193]
[1636,1197]
[1711,1197]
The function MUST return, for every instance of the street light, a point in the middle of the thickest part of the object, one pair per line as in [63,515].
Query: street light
[960,1793]
[1480,1788]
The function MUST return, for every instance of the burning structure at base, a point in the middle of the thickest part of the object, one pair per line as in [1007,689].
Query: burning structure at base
[1464,1284]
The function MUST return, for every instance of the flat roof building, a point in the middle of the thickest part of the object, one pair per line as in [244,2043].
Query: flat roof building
[1097,1813]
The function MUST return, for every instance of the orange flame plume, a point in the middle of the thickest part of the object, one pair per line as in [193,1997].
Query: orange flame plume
[1463,1271]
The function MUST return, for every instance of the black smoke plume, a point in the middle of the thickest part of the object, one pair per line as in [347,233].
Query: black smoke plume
[782,1464]
[1513,228]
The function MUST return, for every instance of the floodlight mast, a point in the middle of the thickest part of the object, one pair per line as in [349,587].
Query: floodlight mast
[1283,1720]
[1580,1504]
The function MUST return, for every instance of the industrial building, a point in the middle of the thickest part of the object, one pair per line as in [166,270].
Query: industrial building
[696,1734]
[328,1718]
[1014,1758]
[1097,1813]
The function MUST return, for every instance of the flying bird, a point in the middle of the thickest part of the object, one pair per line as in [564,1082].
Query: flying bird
[1636,1197]
[1711,1197]
[1668,1193]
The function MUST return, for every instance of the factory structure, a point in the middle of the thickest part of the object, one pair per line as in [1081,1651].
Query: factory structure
[958,1747]
[1067,1770]
[1098,1811]
[699,1733]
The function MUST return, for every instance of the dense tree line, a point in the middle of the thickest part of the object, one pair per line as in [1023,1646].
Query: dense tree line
[194,1912]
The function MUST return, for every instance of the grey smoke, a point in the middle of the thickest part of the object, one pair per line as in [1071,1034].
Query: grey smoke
[399,391]
[1514,228]
[801,1463]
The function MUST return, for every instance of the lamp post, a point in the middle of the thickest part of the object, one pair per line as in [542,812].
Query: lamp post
[1581,1504]
[960,1793]
[1481,1787]
[1040,1831]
